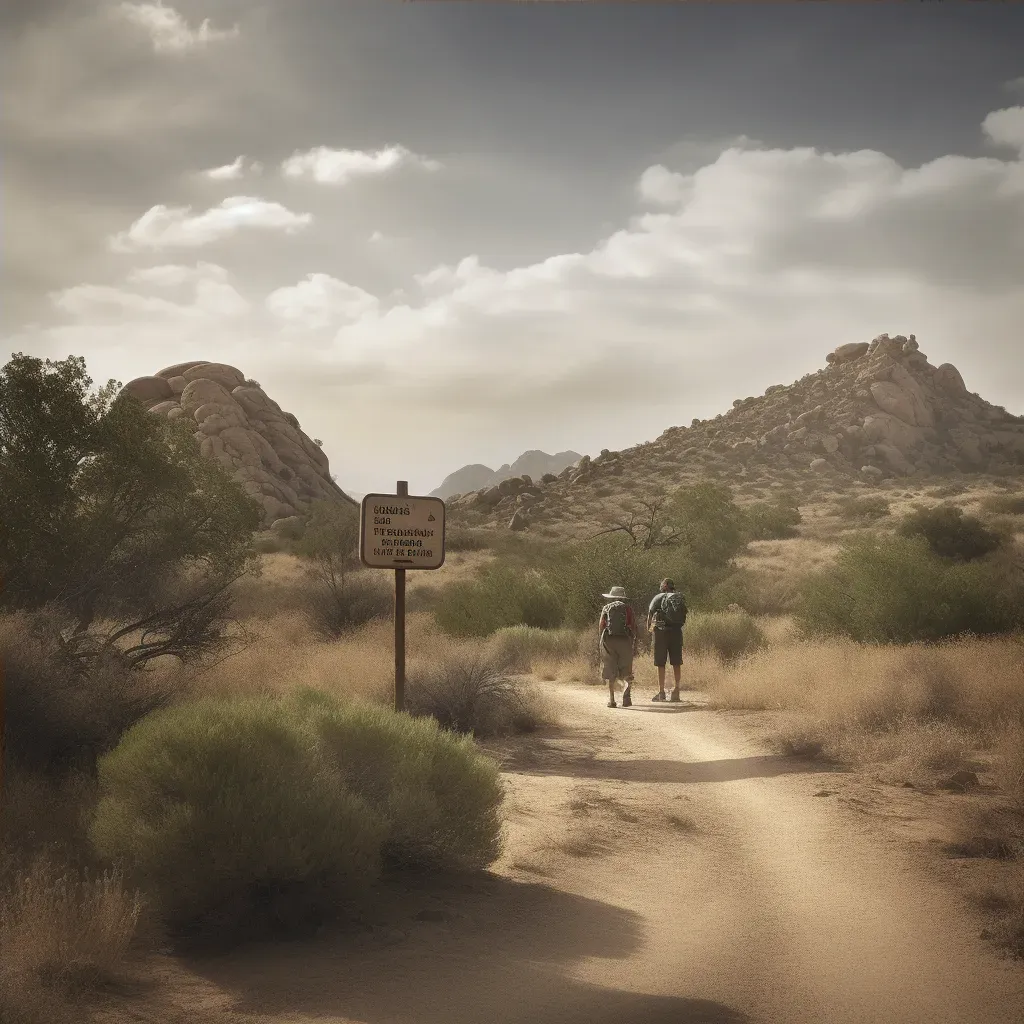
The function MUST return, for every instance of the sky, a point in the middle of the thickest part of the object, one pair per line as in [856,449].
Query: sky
[444,233]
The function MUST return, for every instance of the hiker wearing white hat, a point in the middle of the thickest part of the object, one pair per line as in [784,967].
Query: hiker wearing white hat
[618,638]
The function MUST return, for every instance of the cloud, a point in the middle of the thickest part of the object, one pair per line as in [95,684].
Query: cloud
[173,275]
[213,298]
[233,171]
[1006,127]
[660,185]
[340,166]
[1015,85]
[321,301]
[168,30]
[163,227]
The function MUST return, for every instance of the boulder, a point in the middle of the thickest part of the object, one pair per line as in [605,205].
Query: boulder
[847,353]
[225,375]
[165,408]
[871,472]
[891,398]
[198,392]
[178,369]
[830,444]
[894,458]
[947,377]
[149,389]
[883,428]
[819,465]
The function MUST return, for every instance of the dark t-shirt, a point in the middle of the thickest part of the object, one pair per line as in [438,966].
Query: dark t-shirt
[655,611]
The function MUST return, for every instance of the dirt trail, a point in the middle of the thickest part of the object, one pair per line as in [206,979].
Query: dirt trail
[663,868]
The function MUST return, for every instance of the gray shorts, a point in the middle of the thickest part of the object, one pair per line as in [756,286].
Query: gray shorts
[668,646]
[617,658]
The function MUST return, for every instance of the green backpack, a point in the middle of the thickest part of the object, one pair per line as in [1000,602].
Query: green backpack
[673,608]
[615,615]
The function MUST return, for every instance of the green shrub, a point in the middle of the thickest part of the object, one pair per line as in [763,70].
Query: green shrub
[236,817]
[518,646]
[336,605]
[1004,504]
[896,589]
[772,520]
[730,635]
[867,508]
[465,538]
[950,533]
[227,813]
[709,522]
[472,690]
[439,798]
[500,596]
[758,592]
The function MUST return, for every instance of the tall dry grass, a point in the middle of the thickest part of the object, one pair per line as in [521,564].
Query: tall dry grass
[64,935]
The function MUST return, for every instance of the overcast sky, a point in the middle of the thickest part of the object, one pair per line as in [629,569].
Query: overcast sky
[443,233]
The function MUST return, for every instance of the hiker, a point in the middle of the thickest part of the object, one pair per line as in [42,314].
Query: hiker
[618,637]
[666,618]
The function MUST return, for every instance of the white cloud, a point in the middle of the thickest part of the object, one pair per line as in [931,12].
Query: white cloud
[173,275]
[1015,85]
[212,298]
[1006,127]
[163,227]
[321,301]
[339,166]
[660,185]
[168,30]
[234,170]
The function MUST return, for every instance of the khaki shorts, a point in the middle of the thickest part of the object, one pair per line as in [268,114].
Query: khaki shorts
[668,646]
[617,658]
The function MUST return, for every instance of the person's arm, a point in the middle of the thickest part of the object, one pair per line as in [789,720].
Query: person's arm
[650,611]
[603,625]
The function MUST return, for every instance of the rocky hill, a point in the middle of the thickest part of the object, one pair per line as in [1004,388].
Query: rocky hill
[262,446]
[533,464]
[877,410]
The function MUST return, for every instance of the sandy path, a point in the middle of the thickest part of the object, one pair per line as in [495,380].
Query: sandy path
[661,867]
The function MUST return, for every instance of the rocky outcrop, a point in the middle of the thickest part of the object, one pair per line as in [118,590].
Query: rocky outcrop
[877,410]
[241,427]
[476,477]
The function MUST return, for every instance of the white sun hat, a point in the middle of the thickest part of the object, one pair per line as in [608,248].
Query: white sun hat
[619,592]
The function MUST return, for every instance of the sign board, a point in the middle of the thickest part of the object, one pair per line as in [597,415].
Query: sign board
[401,532]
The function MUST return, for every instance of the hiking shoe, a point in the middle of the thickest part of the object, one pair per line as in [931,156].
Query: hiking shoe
[659,696]
[675,697]
[627,700]
[612,704]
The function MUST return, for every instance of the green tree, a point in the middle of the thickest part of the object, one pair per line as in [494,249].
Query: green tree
[114,517]
[708,522]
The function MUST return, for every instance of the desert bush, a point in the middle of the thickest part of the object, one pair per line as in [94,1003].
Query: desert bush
[439,799]
[863,509]
[950,533]
[229,817]
[61,712]
[772,520]
[895,589]
[520,647]
[64,934]
[238,817]
[502,595]
[465,538]
[730,635]
[353,599]
[756,591]
[709,523]
[1004,504]
[469,689]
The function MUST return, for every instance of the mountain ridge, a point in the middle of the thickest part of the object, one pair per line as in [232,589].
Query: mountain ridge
[475,476]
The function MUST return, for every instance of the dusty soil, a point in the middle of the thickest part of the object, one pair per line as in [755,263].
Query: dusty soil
[663,867]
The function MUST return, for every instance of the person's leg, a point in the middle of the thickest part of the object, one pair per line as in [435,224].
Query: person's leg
[660,659]
[626,673]
[608,671]
[675,652]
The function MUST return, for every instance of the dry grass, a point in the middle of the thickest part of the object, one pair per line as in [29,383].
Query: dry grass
[65,936]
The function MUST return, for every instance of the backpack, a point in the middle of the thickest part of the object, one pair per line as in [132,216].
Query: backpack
[673,608]
[615,613]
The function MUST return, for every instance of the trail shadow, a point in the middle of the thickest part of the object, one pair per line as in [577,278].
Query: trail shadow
[490,951]
[763,766]
[668,709]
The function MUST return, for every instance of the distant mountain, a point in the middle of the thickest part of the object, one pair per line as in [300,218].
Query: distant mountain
[476,476]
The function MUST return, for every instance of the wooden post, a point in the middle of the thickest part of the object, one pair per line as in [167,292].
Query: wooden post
[402,491]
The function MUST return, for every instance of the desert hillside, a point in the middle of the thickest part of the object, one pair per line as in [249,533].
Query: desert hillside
[877,410]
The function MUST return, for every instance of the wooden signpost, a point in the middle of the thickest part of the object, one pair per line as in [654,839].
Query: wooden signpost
[399,531]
